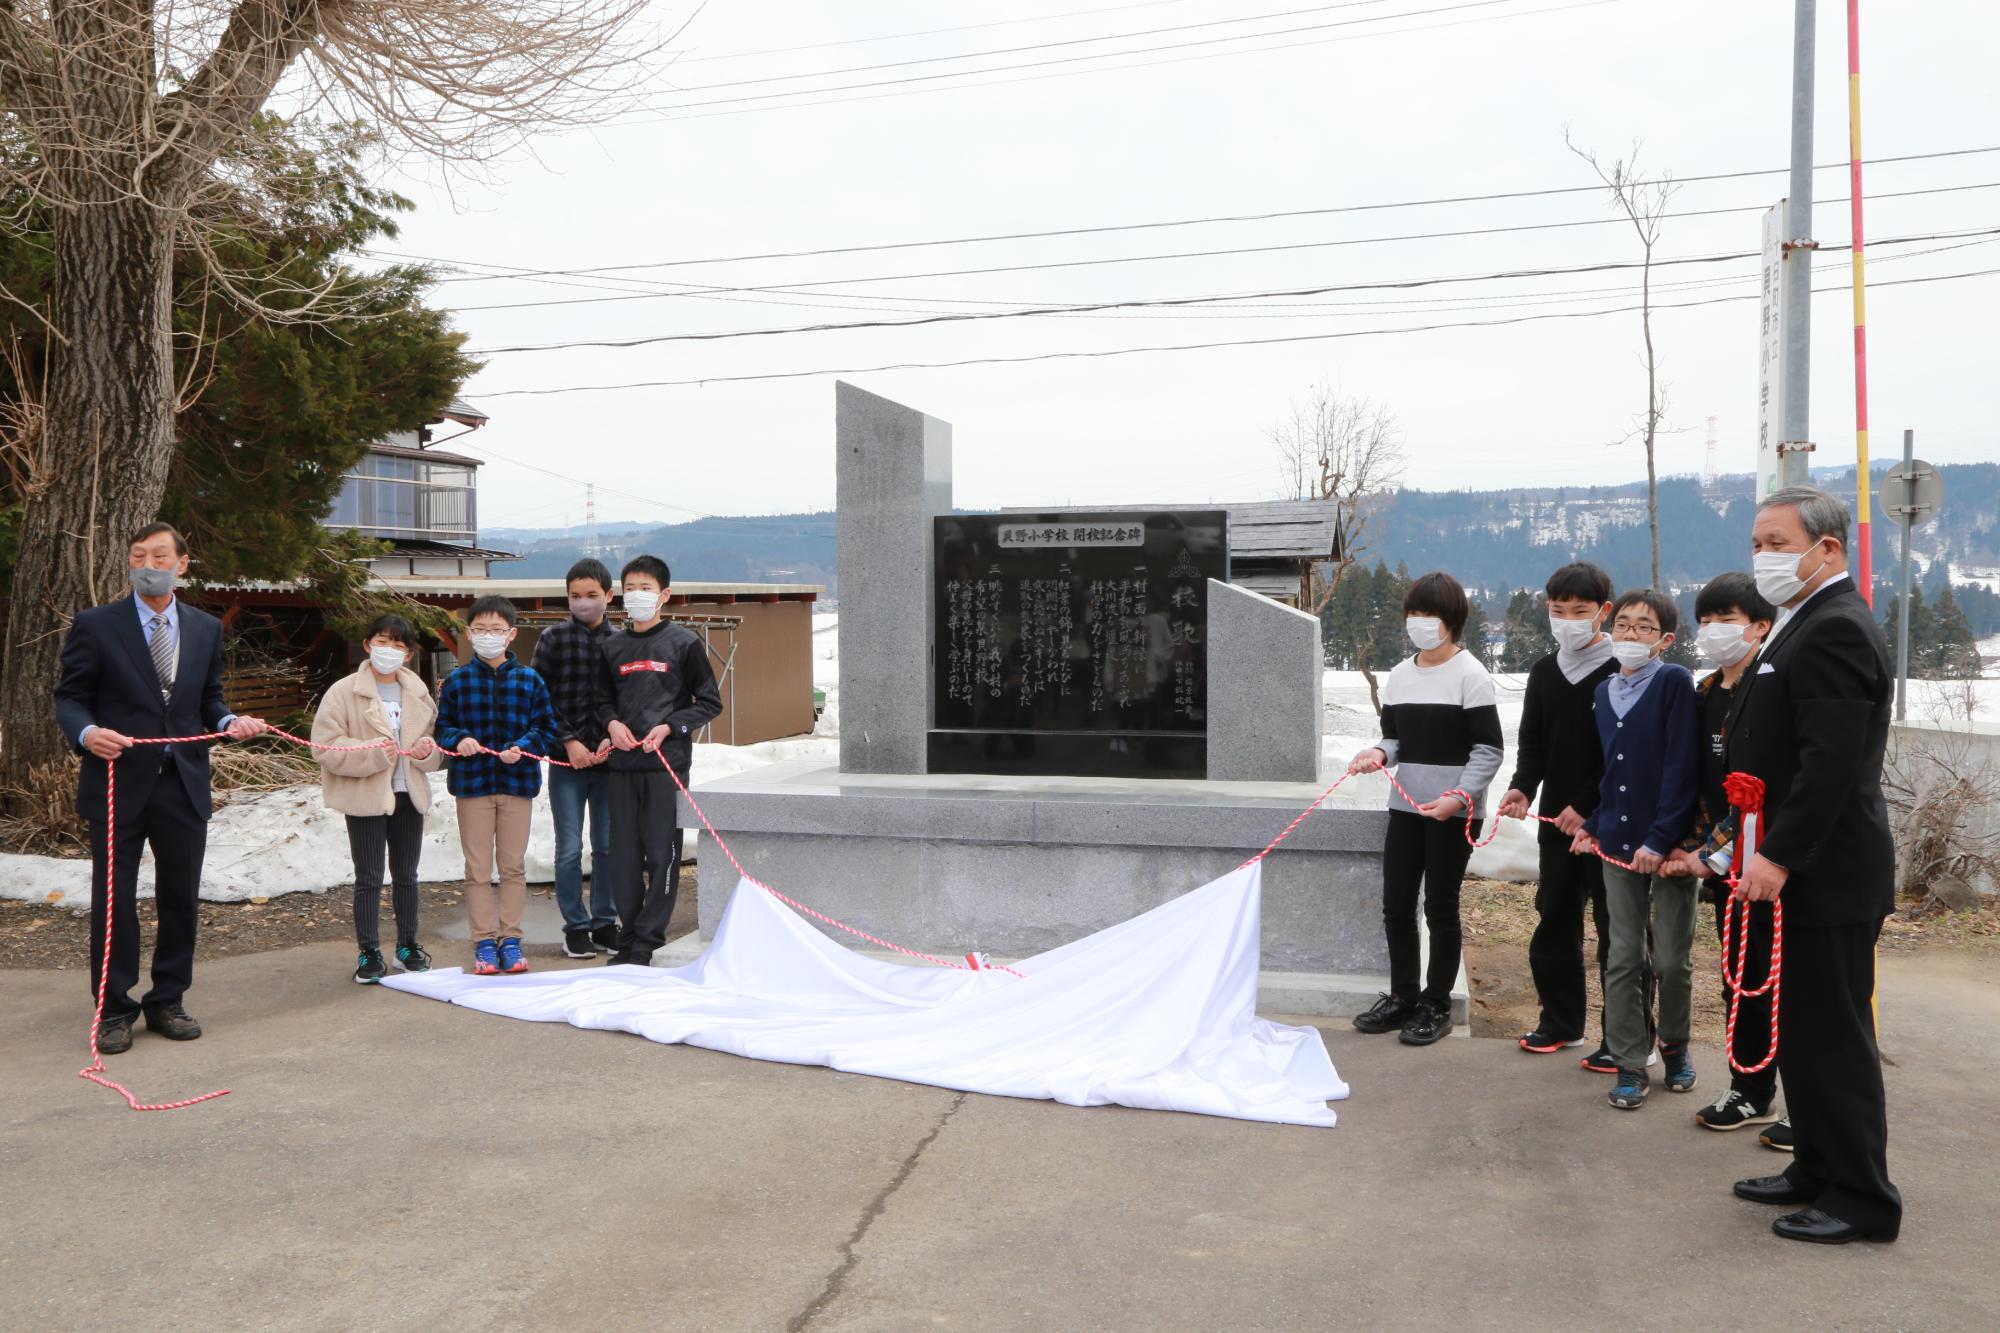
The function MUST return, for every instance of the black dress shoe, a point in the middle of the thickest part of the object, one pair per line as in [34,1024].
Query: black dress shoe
[1772,1189]
[114,1035]
[1822,1229]
[173,1022]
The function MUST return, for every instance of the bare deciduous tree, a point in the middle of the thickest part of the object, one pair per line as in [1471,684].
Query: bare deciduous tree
[131,126]
[1643,203]
[1348,452]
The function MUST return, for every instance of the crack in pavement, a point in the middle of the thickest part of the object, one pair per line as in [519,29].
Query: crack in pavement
[849,1256]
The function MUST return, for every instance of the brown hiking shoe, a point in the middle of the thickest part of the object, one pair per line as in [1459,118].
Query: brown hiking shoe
[172,1022]
[114,1035]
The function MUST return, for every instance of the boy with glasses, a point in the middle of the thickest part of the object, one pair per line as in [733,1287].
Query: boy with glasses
[1649,725]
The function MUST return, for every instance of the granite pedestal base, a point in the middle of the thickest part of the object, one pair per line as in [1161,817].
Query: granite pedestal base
[1016,866]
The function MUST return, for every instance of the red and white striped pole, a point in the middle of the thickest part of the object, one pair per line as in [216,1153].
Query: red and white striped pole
[1864,574]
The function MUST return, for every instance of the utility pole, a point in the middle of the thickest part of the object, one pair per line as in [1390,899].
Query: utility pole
[1795,445]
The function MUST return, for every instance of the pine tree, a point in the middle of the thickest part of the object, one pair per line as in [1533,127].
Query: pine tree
[1388,644]
[1526,628]
[1923,658]
[1474,639]
[1956,650]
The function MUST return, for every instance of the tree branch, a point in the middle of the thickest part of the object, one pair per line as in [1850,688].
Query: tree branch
[219,104]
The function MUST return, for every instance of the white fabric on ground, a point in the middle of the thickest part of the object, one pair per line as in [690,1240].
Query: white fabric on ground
[1158,1012]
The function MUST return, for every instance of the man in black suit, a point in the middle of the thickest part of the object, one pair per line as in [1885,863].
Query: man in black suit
[1812,722]
[147,665]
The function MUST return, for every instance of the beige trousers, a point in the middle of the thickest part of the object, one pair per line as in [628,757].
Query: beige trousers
[490,828]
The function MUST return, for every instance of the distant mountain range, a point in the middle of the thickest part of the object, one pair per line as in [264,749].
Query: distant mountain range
[1494,540]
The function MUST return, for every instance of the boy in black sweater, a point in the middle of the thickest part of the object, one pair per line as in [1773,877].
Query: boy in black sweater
[1735,620]
[1558,753]
[655,691]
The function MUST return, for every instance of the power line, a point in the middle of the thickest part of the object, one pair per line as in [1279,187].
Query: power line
[1179,301]
[1286,47]
[926,32]
[1066,60]
[1082,41]
[1180,347]
[1235,301]
[699,515]
[668,289]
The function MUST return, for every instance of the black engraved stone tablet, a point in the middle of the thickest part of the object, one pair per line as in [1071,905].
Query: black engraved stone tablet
[1074,644]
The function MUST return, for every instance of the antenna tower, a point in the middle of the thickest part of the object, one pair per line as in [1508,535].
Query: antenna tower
[1709,475]
[590,519]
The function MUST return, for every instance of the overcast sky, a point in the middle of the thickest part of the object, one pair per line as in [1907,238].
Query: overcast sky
[1459,100]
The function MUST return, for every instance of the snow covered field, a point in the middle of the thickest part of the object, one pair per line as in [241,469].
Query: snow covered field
[287,842]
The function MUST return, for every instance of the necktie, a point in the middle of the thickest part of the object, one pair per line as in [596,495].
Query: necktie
[163,655]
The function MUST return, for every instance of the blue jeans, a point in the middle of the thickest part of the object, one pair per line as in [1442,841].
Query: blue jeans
[571,792]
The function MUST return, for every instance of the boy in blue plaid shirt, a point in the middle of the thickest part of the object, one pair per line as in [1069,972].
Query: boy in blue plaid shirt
[495,703]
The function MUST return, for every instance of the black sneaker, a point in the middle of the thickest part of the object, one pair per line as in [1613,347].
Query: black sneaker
[1778,1138]
[1732,1110]
[368,967]
[1387,1015]
[1539,1042]
[619,958]
[410,957]
[1629,1093]
[1680,1066]
[642,958]
[605,937]
[1429,1023]
[1599,1061]
[578,944]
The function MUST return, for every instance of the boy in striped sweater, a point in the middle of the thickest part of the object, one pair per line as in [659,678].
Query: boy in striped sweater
[1441,733]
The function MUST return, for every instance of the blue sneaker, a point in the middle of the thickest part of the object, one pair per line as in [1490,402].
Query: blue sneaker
[510,956]
[485,959]
[1680,1066]
[1629,1094]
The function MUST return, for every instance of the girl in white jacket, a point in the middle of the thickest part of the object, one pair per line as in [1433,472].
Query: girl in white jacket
[384,707]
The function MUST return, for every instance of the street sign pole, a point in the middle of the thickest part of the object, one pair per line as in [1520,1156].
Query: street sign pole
[1913,493]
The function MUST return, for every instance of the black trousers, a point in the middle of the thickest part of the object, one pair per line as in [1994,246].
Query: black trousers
[400,836]
[1426,854]
[1753,1017]
[1568,884]
[1833,1075]
[178,835]
[645,857]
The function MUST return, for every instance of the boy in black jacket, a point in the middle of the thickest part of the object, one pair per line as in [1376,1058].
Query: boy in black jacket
[655,691]
[1558,752]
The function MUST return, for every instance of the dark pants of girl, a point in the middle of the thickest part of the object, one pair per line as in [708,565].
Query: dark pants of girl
[401,835]
[1426,854]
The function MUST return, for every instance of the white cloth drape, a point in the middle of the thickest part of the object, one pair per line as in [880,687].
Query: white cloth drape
[1158,1012]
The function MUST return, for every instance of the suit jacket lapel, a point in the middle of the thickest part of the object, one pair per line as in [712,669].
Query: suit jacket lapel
[126,628]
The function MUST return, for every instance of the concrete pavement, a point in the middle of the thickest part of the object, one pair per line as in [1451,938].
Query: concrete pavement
[391,1161]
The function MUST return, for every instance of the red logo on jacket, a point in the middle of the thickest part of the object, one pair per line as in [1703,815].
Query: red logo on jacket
[628,668]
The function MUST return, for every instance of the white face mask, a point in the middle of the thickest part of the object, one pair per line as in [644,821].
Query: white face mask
[642,606]
[1723,643]
[1426,632]
[1777,575]
[1572,634]
[1631,655]
[387,660]
[492,647]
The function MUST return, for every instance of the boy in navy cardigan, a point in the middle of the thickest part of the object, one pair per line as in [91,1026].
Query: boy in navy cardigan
[1649,723]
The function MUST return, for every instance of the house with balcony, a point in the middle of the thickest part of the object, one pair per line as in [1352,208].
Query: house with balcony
[422,499]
